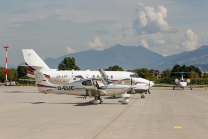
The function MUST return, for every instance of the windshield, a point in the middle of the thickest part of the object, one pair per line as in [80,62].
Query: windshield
[134,76]
[87,83]
[182,80]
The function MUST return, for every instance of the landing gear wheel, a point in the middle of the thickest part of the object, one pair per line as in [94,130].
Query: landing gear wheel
[101,100]
[142,96]
[173,88]
[145,92]
[191,88]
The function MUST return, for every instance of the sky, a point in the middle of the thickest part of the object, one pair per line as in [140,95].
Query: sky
[55,28]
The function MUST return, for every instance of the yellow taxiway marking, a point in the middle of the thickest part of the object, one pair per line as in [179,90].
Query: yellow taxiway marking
[177,127]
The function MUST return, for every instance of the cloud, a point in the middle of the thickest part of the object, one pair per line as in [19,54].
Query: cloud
[190,42]
[149,21]
[156,39]
[96,43]
[144,43]
[177,47]
[69,50]
[123,36]
[101,32]
[124,28]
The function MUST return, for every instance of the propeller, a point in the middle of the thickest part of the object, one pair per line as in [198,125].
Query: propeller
[131,88]
[149,88]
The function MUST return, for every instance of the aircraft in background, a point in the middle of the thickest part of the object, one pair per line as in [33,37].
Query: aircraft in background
[182,83]
[85,87]
[34,62]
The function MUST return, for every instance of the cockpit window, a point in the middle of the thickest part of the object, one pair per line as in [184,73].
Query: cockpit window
[87,83]
[182,80]
[134,76]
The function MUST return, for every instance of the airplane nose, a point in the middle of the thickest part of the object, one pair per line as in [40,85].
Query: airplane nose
[151,83]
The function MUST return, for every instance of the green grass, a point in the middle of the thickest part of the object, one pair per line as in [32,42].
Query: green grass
[160,86]
[25,85]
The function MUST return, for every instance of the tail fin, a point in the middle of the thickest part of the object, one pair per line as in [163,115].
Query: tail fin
[44,86]
[33,60]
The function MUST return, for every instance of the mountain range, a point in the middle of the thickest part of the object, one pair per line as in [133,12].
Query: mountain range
[131,57]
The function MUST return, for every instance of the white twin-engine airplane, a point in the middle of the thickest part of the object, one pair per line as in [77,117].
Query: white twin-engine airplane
[85,87]
[182,83]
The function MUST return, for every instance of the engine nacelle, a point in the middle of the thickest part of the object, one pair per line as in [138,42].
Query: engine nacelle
[176,80]
[188,80]
[125,101]
[125,95]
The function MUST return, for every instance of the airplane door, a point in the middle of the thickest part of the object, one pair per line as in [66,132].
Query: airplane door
[86,76]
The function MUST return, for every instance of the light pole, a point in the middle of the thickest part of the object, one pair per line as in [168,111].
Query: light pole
[6,61]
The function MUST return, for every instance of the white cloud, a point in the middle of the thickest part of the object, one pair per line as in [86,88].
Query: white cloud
[69,50]
[101,32]
[96,43]
[124,28]
[149,21]
[190,42]
[156,39]
[144,43]
[177,47]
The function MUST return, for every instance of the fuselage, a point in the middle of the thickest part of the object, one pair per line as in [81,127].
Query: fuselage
[79,88]
[182,83]
[64,77]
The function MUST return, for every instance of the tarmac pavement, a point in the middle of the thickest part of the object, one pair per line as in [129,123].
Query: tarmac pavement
[163,114]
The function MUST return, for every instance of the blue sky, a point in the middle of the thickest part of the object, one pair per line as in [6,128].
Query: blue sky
[54,28]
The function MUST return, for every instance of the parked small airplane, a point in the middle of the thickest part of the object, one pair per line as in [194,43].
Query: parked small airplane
[85,87]
[182,83]
[33,62]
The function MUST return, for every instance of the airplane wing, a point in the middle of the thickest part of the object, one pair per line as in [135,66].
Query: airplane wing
[193,86]
[172,85]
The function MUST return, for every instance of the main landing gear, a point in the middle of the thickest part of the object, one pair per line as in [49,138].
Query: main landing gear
[97,100]
[125,100]
[142,96]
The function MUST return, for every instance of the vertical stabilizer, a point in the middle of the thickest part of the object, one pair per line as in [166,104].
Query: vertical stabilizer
[32,59]
[44,86]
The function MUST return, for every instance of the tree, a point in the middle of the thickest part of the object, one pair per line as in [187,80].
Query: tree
[114,68]
[22,71]
[144,72]
[166,74]
[2,74]
[176,68]
[12,74]
[68,64]
[205,75]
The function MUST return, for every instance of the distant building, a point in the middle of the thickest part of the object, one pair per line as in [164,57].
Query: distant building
[203,71]
[154,73]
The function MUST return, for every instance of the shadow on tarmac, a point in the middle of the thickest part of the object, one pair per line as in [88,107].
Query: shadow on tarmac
[75,104]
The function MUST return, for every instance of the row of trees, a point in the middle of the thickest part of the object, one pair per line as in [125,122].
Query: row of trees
[189,72]
[69,64]
[13,74]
